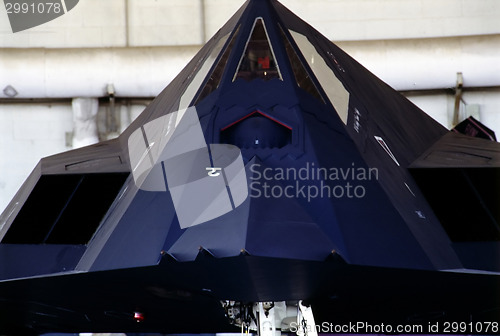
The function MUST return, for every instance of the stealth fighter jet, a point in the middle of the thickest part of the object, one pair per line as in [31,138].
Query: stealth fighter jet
[274,185]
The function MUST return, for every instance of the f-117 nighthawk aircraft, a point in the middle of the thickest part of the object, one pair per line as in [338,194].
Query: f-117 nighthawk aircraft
[274,185]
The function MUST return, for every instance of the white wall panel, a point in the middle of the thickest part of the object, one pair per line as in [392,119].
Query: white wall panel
[91,23]
[116,23]
[27,133]
[167,22]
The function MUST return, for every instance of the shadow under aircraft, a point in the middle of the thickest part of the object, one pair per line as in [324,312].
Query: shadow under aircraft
[274,185]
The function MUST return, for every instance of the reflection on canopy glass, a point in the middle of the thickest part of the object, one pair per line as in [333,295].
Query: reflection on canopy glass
[215,78]
[333,87]
[301,75]
[201,74]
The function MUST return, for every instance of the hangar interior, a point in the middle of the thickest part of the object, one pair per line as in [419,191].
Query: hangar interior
[84,76]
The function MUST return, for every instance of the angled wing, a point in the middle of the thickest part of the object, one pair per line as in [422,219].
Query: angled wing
[460,178]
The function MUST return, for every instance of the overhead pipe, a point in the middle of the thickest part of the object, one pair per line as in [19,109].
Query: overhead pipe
[67,73]
[145,71]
